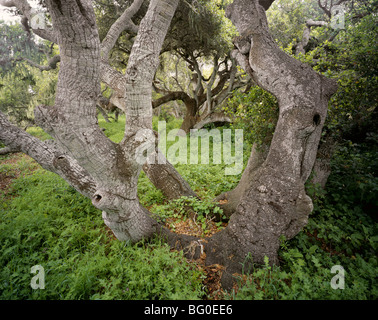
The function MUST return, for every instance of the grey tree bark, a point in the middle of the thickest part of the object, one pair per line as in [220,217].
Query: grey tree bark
[112,168]
[116,81]
[275,203]
[228,201]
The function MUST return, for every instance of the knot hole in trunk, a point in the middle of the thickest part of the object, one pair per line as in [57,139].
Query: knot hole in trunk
[316,119]
[97,197]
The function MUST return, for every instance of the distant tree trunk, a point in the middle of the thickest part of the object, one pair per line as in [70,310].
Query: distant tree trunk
[202,108]
[191,116]
[103,113]
[300,48]
[166,178]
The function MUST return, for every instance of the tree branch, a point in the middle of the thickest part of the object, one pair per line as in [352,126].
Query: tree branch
[306,35]
[47,155]
[123,23]
[7,150]
[175,95]
[26,9]
[113,78]
[7,3]
[51,64]
[324,8]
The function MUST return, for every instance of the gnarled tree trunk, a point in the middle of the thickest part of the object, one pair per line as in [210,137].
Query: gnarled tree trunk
[275,203]
[228,201]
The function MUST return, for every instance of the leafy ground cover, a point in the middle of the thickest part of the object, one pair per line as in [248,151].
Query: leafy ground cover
[44,221]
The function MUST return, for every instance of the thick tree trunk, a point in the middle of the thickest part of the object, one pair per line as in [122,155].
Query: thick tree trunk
[322,166]
[228,201]
[275,203]
[191,116]
[166,178]
[73,123]
[133,222]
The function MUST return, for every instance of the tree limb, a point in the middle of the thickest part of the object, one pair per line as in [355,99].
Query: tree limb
[123,23]
[7,150]
[174,95]
[328,9]
[306,34]
[47,155]
[26,9]
[51,64]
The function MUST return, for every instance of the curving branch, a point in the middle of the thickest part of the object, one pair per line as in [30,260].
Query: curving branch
[26,9]
[123,23]
[51,64]
[47,154]
[327,7]
[171,96]
[7,3]
[306,34]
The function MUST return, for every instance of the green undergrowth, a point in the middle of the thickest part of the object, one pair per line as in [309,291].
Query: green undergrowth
[331,238]
[341,231]
[48,223]
[43,221]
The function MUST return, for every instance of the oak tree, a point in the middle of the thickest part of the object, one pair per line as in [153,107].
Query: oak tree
[273,205]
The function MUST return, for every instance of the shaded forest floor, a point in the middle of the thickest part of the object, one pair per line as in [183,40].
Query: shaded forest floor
[44,221]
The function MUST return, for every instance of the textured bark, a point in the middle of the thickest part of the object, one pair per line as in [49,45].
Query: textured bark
[102,170]
[228,201]
[123,23]
[275,203]
[8,150]
[191,116]
[322,166]
[72,120]
[174,186]
[47,116]
[212,117]
[166,178]
[48,156]
[73,123]
[125,216]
